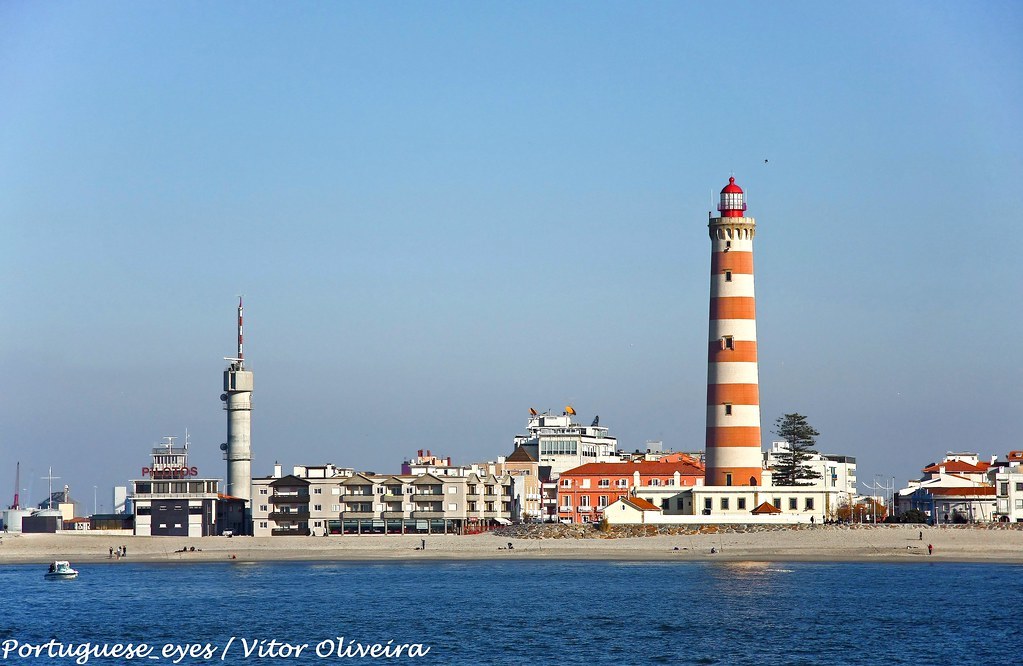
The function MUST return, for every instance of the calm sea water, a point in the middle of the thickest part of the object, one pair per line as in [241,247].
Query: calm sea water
[531,612]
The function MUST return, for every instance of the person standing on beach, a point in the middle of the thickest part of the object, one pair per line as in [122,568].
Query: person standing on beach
[423,542]
[111,552]
[930,549]
[124,551]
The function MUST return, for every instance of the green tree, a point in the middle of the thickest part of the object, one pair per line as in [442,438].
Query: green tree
[790,468]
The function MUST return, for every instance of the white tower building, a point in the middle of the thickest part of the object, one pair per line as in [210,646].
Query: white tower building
[237,399]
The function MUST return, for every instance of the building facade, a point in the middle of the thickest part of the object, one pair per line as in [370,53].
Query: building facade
[958,489]
[585,491]
[1008,483]
[348,503]
[171,499]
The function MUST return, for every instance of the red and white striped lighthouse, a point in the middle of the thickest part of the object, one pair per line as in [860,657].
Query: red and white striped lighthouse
[733,396]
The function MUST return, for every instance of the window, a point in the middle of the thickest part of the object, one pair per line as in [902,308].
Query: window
[262,491]
[623,483]
[472,506]
[666,503]
[262,524]
[584,501]
[566,483]
[776,501]
[1019,486]
[602,501]
[1003,488]
[728,479]
[553,447]
[317,491]
[1019,504]
[335,508]
[566,502]
[604,483]
[586,483]
[808,504]
[335,491]
[317,507]
[740,503]
[728,412]
[655,482]
[262,507]
[728,276]
[707,503]
[452,507]
[728,342]
[793,504]
[724,504]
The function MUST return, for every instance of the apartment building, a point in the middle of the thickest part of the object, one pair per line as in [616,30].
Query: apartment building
[349,503]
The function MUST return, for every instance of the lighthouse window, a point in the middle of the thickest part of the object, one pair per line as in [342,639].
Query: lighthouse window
[728,276]
[728,412]
[727,342]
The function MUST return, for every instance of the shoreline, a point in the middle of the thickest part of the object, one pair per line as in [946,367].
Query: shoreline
[883,543]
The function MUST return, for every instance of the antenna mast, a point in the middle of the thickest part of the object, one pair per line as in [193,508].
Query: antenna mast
[50,477]
[241,352]
[17,484]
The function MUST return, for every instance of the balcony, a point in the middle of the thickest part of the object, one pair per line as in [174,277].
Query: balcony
[427,514]
[289,531]
[393,514]
[288,515]
[393,497]
[436,497]
[564,509]
[358,514]
[289,499]
[356,496]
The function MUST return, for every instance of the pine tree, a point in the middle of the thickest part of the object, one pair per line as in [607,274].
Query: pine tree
[790,468]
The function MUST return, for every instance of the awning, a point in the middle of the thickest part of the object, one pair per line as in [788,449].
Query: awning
[502,521]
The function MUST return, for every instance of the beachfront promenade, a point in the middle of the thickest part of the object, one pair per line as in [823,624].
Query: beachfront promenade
[882,543]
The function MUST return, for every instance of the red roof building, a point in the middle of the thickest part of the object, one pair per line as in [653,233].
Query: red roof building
[585,491]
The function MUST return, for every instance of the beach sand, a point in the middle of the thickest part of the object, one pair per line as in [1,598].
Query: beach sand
[894,543]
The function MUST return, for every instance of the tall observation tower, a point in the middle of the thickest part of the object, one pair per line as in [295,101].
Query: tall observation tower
[237,399]
[733,396]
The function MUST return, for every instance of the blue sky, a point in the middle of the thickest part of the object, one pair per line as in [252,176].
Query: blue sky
[442,214]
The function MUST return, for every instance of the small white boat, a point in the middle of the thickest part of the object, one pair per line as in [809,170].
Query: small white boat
[61,570]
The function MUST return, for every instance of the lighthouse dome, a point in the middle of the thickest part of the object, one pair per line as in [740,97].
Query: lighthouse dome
[731,187]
